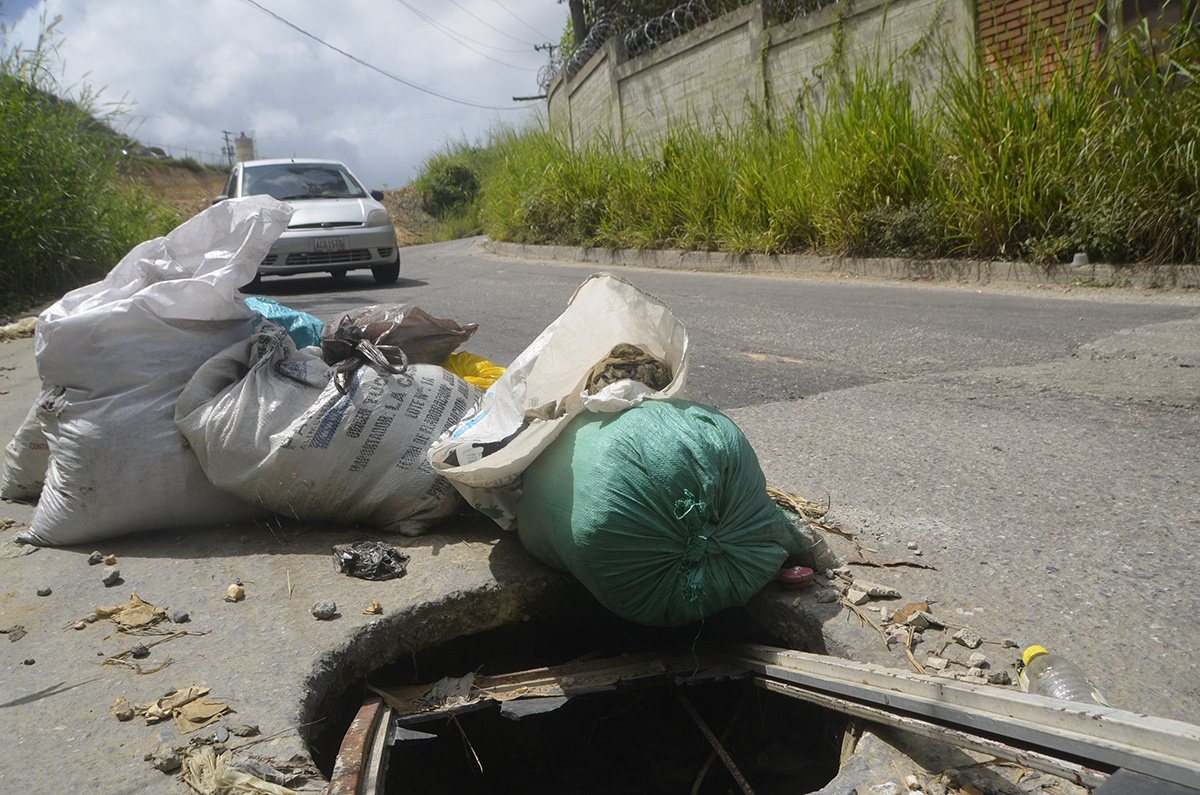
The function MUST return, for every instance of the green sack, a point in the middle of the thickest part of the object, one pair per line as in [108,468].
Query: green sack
[661,512]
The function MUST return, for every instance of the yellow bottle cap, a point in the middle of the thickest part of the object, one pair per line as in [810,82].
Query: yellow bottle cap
[1033,651]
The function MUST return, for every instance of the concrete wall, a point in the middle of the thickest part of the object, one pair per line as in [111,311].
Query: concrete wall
[740,64]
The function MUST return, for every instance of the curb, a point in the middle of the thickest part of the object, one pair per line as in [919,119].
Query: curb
[1147,277]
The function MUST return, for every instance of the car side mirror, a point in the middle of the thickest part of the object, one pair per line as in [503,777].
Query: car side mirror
[220,199]
[377,195]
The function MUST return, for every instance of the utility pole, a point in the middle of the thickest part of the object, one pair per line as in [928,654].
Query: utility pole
[228,149]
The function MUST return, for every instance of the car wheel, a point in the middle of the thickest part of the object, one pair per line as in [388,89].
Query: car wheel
[386,274]
[339,273]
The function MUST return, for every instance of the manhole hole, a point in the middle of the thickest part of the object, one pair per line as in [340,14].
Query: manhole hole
[673,725]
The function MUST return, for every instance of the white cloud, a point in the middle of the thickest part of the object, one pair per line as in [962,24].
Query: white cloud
[196,69]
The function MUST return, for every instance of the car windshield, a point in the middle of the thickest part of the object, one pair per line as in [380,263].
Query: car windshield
[290,181]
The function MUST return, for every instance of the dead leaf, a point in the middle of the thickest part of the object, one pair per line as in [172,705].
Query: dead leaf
[134,614]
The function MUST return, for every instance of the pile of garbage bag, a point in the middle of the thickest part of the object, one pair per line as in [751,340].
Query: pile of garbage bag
[171,401]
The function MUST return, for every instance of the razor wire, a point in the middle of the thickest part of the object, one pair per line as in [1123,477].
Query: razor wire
[656,32]
[604,27]
[644,37]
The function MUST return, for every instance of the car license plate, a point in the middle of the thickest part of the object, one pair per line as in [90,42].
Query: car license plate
[329,245]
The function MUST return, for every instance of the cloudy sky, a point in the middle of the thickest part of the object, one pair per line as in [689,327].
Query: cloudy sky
[379,84]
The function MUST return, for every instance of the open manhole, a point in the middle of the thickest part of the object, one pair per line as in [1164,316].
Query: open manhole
[589,705]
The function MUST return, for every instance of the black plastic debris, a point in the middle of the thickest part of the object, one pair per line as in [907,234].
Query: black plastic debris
[370,560]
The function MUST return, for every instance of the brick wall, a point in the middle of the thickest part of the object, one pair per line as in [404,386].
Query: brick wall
[1008,29]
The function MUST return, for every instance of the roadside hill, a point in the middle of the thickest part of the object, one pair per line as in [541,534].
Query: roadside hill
[188,192]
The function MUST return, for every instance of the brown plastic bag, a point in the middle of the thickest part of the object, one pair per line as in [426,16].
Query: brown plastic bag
[390,337]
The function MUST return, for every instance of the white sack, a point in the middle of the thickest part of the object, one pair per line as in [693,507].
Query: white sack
[114,356]
[268,424]
[605,311]
[26,457]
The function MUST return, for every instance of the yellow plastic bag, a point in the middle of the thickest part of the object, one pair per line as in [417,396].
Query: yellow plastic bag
[473,369]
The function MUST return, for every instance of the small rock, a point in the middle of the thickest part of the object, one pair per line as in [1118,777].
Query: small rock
[936,663]
[857,597]
[974,676]
[324,610]
[91,618]
[935,788]
[886,614]
[222,734]
[922,620]
[978,660]
[30,661]
[95,558]
[139,651]
[373,609]
[1000,677]
[245,730]
[912,782]
[181,617]
[886,788]
[918,552]
[121,710]
[235,593]
[843,570]
[913,545]
[164,758]
[44,591]
[1009,643]
[111,576]
[826,596]
[110,560]
[828,574]
[946,674]
[79,625]
[969,638]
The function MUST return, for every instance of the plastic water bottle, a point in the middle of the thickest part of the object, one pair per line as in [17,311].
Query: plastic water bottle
[1052,675]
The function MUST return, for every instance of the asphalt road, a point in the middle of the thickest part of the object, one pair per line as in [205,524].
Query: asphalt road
[1037,445]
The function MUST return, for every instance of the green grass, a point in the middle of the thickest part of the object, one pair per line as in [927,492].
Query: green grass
[63,222]
[1098,154]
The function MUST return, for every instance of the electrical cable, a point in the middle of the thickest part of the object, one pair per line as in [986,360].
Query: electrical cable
[455,37]
[385,73]
[472,14]
[523,22]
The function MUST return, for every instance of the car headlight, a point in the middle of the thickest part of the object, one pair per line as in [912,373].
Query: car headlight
[379,218]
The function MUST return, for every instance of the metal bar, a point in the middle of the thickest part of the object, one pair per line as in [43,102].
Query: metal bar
[1165,749]
[1071,771]
[375,764]
[348,770]
[716,744]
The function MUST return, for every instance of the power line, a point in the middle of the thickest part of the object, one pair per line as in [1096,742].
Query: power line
[523,22]
[374,68]
[456,37]
[472,14]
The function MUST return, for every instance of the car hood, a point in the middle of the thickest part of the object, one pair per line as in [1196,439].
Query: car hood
[338,212]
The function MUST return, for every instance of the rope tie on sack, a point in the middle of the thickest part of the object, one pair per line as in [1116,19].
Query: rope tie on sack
[700,542]
[367,352]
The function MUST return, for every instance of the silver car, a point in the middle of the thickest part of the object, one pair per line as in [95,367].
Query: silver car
[338,225]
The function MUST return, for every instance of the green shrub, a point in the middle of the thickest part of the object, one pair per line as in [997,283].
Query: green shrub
[63,220]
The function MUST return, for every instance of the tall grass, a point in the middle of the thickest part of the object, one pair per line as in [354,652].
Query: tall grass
[63,221]
[1075,148]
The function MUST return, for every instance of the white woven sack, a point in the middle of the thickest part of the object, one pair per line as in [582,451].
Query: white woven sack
[26,457]
[113,357]
[268,424]
[605,310]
